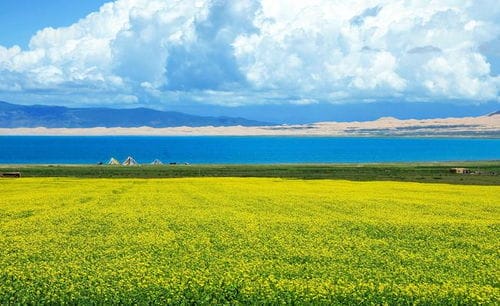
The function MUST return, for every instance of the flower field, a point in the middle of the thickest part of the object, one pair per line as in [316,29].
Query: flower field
[247,240]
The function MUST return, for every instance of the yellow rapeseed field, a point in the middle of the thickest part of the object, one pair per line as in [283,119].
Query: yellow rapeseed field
[247,240]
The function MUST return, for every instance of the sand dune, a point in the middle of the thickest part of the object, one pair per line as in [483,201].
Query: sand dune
[484,126]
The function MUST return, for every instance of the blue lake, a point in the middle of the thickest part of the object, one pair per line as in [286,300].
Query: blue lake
[242,150]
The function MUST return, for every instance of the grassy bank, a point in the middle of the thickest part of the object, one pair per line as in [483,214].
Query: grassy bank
[411,172]
[247,240]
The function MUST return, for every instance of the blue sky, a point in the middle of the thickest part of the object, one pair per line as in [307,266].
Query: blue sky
[244,57]
[21,19]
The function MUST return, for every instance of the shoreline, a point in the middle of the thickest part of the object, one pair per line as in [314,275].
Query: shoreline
[373,136]
[467,127]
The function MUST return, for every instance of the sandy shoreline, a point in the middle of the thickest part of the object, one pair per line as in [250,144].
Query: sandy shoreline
[485,126]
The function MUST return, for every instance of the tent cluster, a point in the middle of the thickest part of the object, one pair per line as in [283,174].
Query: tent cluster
[130,161]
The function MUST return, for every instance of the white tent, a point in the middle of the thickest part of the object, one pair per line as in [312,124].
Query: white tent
[156,162]
[113,161]
[130,161]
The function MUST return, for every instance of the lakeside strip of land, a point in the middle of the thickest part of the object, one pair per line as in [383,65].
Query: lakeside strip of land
[483,126]
[483,172]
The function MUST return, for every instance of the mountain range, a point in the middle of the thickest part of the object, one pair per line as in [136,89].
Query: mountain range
[16,116]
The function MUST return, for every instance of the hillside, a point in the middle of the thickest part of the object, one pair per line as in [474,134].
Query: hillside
[17,116]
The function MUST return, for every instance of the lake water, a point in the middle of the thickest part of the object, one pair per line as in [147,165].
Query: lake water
[242,150]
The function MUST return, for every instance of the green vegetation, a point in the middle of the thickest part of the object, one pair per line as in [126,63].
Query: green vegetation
[413,172]
[247,240]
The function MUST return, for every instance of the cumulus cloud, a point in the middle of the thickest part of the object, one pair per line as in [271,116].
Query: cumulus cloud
[267,51]
[329,49]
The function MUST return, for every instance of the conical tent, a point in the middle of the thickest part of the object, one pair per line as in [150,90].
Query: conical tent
[113,161]
[130,161]
[156,162]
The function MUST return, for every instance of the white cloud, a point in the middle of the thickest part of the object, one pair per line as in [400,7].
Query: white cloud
[241,52]
[371,49]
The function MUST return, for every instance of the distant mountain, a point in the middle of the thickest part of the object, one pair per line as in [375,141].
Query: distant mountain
[14,116]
